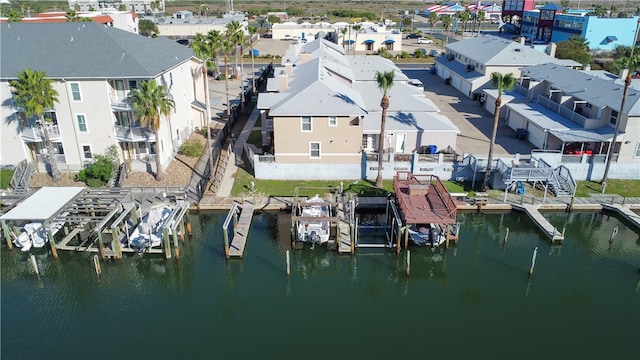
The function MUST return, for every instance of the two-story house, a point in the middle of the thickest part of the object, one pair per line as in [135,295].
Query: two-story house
[571,115]
[467,65]
[94,68]
[321,117]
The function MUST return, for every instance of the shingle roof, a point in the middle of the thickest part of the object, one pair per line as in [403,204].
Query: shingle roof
[594,89]
[496,51]
[85,50]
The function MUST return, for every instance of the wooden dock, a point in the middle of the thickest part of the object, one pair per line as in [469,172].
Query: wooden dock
[241,231]
[541,221]
[344,231]
[625,212]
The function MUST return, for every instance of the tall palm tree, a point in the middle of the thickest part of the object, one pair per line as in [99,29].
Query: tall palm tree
[72,16]
[447,20]
[502,83]
[433,20]
[480,16]
[14,16]
[226,48]
[357,28]
[252,31]
[465,16]
[205,50]
[235,35]
[214,38]
[385,83]
[150,102]
[35,94]
[343,31]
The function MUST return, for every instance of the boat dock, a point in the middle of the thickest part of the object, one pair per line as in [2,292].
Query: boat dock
[241,216]
[544,225]
[625,212]
[344,233]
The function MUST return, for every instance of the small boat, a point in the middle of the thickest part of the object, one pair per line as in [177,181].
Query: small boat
[148,233]
[34,235]
[313,231]
[429,234]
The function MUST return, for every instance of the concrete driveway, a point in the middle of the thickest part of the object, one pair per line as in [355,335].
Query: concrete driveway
[474,122]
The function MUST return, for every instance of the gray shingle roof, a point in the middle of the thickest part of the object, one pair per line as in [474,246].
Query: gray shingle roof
[495,51]
[85,50]
[594,89]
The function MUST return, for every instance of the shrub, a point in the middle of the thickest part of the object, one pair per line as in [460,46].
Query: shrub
[98,173]
[404,55]
[191,148]
[5,178]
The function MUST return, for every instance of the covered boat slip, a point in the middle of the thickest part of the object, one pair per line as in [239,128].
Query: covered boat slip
[94,220]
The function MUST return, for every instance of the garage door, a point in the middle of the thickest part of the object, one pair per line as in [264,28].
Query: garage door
[455,82]
[536,136]
[465,88]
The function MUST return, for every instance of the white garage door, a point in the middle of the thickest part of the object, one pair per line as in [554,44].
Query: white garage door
[536,136]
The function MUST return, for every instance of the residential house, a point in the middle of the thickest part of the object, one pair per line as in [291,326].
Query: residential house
[321,118]
[571,115]
[467,65]
[94,68]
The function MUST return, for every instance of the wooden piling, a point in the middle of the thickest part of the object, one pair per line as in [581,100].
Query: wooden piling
[398,237]
[176,247]
[100,244]
[506,236]
[52,242]
[288,264]
[189,228]
[7,234]
[533,261]
[34,264]
[96,265]
[167,243]
[182,231]
[408,262]
[614,232]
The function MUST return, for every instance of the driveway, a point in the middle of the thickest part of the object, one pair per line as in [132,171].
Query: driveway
[474,122]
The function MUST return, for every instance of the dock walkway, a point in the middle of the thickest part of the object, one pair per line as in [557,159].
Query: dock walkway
[344,230]
[241,231]
[541,221]
[625,212]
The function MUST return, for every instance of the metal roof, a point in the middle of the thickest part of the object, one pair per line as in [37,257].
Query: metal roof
[43,204]
[85,50]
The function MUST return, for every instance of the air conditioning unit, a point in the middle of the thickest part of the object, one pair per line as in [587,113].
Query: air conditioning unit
[469,67]
[450,57]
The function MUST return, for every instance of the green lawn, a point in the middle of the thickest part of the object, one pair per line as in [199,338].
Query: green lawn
[5,178]
[626,188]
[242,186]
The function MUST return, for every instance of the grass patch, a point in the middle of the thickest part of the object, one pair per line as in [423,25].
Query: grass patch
[5,178]
[255,138]
[191,148]
[242,186]
[626,188]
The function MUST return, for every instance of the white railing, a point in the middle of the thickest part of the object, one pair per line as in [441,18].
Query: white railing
[134,133]
[59,158]
[36,133]
[120,101]
[145,157]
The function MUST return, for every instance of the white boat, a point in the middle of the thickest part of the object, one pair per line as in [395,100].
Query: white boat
[313,231]
[427,234]
[34,235]
[148,233]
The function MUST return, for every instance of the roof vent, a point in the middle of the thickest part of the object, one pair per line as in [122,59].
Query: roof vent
[517,50]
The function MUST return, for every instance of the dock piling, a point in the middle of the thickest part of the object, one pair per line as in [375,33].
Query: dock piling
[614,232]
[408,262]
[288,264]
[506,236]
[96,265]
[34,264]
[533,261]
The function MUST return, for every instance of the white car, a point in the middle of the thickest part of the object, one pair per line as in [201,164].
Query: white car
[424,41]
[417,83]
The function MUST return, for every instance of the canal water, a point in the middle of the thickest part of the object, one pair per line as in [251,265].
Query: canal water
[471,301]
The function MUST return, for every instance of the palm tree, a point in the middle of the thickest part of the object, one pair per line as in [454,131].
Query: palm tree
[343,31]
[150,102]
[226,48]
[214,38]
[465,16]
[447,20]
[480,16]
[72,16]
[252,31]
[235,35]
[35,94]
[14,16]
[205,50]
[433,20]
[385,82]
[357,28]
[502,83]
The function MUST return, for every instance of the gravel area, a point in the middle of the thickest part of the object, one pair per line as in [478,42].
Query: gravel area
[177,174]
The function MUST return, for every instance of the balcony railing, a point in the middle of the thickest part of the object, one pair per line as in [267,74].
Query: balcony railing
[59,158]
[36,134]
[120,101]
[145,157]
[585,122]
[125,133]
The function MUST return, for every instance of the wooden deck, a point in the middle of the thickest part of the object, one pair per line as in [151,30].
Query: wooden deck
[241,231]
[92,248]
[344,231]
[541,221]
[423,199]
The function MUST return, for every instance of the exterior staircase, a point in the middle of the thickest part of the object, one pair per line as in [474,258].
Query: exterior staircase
[561,182]
[22,177]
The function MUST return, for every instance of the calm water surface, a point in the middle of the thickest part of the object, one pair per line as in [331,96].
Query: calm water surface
[473,301]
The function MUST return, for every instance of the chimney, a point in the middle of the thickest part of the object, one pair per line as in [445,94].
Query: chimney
[551,49]
[522,40]
[283,81]
[624,73]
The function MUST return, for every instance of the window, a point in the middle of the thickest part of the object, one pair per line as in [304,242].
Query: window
[75,92]
[355,121]
[86,152]
[314,150]
[614,117]
[82,123]
[57,147]
[333,121]
[50,118]
[306,123]
[123,119]
[133,84]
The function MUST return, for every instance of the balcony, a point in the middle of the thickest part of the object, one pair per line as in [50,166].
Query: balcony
[133,134]
[59,158]
[120,102]
[586,123]
[36,134]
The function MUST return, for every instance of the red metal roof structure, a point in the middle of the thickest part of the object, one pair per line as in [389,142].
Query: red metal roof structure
[424,199]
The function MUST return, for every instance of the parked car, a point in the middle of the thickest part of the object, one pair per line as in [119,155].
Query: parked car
[435,53]
[417,83]
[424,41]
[413,36]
